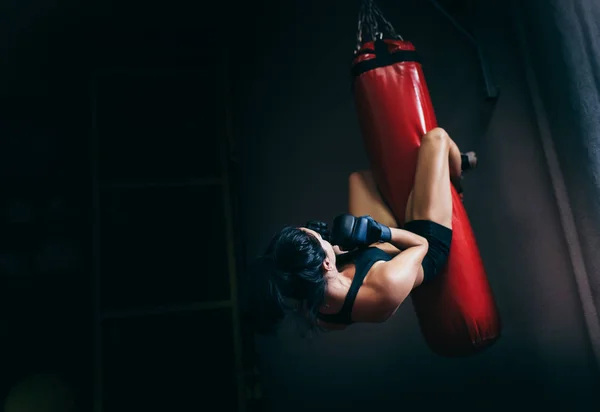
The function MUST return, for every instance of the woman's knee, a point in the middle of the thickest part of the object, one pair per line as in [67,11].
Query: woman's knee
[436,137]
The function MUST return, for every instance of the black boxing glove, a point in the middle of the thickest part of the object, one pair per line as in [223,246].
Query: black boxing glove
[320,227]
[349,232]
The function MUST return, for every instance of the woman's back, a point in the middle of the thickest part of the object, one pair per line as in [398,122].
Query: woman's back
[354,298]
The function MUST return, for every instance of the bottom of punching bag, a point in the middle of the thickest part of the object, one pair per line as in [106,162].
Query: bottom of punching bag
[465,342]
[462,351]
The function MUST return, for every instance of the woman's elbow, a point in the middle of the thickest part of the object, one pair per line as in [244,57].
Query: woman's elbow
[423,249]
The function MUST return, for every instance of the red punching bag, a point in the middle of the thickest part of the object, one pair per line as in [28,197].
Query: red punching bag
[456,310]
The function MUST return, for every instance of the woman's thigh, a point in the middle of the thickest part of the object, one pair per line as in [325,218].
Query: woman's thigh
[431,197]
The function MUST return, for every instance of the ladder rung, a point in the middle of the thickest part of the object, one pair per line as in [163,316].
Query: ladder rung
[167,309]
[211,181]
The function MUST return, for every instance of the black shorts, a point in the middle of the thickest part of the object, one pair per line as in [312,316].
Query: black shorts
[439,238]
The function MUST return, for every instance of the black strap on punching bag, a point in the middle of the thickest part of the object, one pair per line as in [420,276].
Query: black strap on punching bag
[369,16]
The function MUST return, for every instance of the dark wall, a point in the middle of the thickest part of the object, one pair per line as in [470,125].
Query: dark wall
[44,267]
[562,39]
[301,141]
[50,55]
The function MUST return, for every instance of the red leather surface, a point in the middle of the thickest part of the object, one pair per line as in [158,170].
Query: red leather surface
[456,311]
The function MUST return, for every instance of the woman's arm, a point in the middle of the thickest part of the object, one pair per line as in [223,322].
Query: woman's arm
[397,278]
[403,239]
[405,268]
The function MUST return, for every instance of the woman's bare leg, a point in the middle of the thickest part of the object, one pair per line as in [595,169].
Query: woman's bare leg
[438,159]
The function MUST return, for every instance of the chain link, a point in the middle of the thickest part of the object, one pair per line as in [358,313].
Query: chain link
[369,15]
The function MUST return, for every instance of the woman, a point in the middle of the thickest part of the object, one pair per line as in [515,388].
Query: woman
[333,289]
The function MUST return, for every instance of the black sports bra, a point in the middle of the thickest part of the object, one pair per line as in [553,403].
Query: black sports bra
[363,259]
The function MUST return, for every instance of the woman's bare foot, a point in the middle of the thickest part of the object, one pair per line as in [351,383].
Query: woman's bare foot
[469,162]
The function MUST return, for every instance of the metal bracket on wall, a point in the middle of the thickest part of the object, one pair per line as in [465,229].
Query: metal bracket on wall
[491,90]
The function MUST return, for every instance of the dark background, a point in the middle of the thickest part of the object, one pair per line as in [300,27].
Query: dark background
[97,94]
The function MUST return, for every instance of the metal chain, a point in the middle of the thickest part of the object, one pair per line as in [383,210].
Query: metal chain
[374,25]
[361,16]
[387,24]
[368,25]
